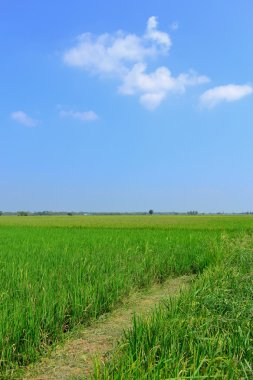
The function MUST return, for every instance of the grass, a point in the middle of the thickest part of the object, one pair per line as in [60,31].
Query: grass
[57,272]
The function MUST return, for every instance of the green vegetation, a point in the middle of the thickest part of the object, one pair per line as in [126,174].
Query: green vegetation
[212,222]
[58,272]
[205,334]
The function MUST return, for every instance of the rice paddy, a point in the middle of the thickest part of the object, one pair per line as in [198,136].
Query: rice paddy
[60,272]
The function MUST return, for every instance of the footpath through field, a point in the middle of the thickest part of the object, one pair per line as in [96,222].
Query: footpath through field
[75,358]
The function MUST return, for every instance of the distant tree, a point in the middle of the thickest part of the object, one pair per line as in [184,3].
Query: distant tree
[192,212]
[69,214]
[22,213]
[1,213]
[151,212]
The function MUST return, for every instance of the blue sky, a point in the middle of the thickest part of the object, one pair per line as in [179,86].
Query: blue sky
[126,106]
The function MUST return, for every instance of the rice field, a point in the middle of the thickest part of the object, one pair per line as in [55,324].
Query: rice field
[60,272]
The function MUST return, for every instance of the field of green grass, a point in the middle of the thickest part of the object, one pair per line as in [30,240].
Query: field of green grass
[59,272]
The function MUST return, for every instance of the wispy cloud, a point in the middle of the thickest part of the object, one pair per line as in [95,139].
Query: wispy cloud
[24,119]
[227,93]
[125,56]
[82,116]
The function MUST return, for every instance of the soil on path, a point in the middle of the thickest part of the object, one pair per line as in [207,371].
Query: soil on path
[74,360]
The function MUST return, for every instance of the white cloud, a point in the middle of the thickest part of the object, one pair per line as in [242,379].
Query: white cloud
[82,116]
[156,35]
[152,100]
[22,118]
[154,87]
[138,81]
[125,57]
[227,93]
[113,53]
[107,54]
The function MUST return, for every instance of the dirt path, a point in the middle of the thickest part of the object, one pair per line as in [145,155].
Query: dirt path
[75,358]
